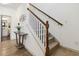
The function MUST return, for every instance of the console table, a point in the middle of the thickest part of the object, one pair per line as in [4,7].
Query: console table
[20,39]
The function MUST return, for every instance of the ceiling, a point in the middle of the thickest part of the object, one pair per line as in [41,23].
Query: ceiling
[11,5]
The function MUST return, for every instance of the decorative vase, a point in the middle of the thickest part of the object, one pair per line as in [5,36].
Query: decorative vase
[18,28]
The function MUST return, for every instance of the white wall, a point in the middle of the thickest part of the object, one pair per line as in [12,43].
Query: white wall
[30,42]
[68,15]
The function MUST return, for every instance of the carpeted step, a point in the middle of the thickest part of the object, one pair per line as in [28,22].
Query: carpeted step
[53,46]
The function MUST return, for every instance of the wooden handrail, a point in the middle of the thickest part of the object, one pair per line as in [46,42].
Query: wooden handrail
[36,16]
[46,14]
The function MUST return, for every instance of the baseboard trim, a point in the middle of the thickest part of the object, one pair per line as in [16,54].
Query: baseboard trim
[70,49]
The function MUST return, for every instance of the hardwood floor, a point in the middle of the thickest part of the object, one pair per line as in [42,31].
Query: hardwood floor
[61,51]
[8,48]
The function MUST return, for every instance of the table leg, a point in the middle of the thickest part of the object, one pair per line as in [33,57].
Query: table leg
[22,39]
[16,40]
[19,40]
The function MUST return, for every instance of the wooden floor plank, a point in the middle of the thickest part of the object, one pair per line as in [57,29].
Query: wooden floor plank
[61,51]
[8,48]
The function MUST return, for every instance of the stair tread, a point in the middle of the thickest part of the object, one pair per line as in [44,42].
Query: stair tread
[51,40]
[50,37]
[53,44]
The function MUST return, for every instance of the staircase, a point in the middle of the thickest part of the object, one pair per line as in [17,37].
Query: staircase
[53,44]
[41,28]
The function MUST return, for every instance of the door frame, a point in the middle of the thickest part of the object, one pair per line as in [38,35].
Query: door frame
[1,24]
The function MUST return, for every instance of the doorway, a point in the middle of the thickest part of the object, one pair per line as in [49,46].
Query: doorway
[5,27]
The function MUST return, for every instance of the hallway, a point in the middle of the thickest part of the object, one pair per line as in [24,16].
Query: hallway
[8,48]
